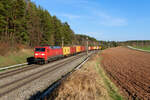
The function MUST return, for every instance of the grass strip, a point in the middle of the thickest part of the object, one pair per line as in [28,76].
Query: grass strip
[111,88]
[143,48]
[22,66]
[13,58]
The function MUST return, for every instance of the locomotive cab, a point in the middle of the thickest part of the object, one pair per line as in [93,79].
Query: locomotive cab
[40,55]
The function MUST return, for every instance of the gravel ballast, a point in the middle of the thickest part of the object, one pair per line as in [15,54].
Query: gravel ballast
[40,84]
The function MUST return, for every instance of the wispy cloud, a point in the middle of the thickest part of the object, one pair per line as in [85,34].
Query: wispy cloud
[108,20]
[100,16]
[70,16]
[73,1]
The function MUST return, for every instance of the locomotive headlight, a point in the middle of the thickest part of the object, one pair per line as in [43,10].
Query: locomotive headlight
[36,54]
[42,54]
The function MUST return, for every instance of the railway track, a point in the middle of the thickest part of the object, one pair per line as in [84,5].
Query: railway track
[13,85]
[19,70]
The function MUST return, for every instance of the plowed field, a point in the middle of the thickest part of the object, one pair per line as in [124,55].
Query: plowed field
[129,70]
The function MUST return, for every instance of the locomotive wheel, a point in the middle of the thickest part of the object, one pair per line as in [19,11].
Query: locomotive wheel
[45,62]
[41,62]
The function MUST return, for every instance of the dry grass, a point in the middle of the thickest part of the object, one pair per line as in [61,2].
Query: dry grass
[15,57]
[84,84]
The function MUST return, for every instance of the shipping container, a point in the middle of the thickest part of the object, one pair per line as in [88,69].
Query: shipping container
[78,49]
[72,50]
[66,51]
[82,48]
[100,47]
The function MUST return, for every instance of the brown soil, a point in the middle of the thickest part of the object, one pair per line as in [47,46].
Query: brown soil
[129,70]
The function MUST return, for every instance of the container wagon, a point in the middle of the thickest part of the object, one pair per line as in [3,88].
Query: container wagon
[66,51]
[72,50]
[78,49]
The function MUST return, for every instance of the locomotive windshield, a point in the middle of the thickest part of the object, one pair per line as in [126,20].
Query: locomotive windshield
[40,49]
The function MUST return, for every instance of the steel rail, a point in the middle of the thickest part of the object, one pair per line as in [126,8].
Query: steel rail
[25,80]
[17,71]
[13,66]
[47,92]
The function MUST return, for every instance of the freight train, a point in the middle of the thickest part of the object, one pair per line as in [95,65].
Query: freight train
[44,54]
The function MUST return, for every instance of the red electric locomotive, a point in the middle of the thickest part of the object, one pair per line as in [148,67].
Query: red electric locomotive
[43,54]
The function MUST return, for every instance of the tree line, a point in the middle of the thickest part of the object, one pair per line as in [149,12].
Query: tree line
[134,43]
[25,23]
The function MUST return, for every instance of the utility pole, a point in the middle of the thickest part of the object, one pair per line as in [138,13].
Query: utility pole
[62,41]
[87,43]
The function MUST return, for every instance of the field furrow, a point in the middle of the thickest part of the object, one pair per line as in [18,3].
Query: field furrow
[130,70]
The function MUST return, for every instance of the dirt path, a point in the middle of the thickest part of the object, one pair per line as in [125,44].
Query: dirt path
[130,70]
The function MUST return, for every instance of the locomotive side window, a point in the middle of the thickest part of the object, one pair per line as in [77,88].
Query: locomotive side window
[40,49]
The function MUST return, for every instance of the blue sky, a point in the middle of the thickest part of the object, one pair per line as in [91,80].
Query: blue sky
[117,20]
